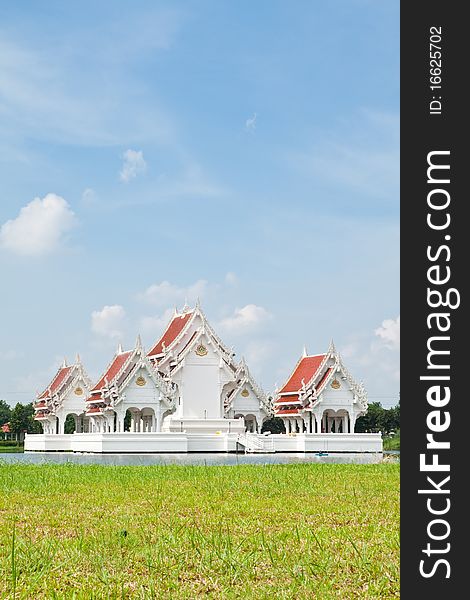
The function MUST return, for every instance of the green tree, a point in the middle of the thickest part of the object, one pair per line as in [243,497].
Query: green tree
[22,420]
[379,419]
[274,425]
[5,412]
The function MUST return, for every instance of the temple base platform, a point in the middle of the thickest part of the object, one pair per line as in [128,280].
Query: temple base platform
[221,441]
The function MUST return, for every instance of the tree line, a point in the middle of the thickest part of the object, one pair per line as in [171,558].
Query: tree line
[20,419]
[379,418]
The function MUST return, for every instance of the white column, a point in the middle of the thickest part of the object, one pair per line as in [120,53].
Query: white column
[318,423]
[158,420]
[353,422]
[345,424]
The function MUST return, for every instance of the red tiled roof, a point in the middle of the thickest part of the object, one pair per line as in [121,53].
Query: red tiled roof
[58,380]
[40,415]
[113,369]
[94,409]
[288,399]
[173,330]
[288,411]
[96,398]
[306,369]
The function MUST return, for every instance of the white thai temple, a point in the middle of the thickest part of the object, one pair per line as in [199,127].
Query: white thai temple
[65,395]
[320,396]
[188,393]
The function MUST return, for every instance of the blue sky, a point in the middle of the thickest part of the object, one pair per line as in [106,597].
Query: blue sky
[243,152]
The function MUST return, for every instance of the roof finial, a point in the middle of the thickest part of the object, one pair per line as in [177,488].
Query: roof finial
[198,303]
[332,348]
[186,305]
[304,353]
[64,364]
[138,343]
[78,359]
[119,348]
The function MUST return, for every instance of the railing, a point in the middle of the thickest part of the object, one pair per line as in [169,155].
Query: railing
[254,442]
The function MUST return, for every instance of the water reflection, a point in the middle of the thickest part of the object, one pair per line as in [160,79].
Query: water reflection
[194,459]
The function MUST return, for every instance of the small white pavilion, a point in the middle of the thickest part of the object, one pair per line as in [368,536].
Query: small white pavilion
[320,396]
[65,395]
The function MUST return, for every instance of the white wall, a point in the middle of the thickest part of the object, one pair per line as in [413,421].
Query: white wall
[200,381]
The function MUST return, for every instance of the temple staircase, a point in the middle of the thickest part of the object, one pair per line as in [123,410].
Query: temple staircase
[256,443]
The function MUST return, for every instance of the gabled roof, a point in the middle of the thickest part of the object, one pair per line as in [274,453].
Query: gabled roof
[243,377]
[289,399]
[59,380]
[304,370]
[174,328]
[179,325]
[113,369]
[315,372]
[120,372]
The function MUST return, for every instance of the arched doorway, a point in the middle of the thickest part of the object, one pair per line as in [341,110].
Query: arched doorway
[335,421]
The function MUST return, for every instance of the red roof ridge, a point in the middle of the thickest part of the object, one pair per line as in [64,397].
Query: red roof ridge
[304,370]
[57,381]
[112,370]
[173,330]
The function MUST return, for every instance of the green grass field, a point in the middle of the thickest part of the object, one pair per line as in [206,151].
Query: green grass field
[392,443]
[265,532]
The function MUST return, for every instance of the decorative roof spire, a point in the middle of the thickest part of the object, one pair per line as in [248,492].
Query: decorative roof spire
[119,348]
[78,359]
[138,342]
[304,352]
[332,347]
[64,364]
[198,303]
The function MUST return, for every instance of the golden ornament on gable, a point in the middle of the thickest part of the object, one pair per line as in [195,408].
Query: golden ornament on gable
[140,380]
[335,384]
[245,393]
[201,350]
[78,391]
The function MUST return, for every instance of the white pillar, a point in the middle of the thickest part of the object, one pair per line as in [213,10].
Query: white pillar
[353,422]
[345,424]
[317,423]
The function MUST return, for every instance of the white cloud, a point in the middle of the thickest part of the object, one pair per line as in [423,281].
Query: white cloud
[154,325]
[250,124]
[389,333]
[108,321]
[89,196]
[39,228]
[9,354]
[259,352]
[245,319]
[165,293]
[134,164]
[231,279]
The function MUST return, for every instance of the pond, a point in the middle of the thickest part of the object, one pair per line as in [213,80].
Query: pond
[193,458]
